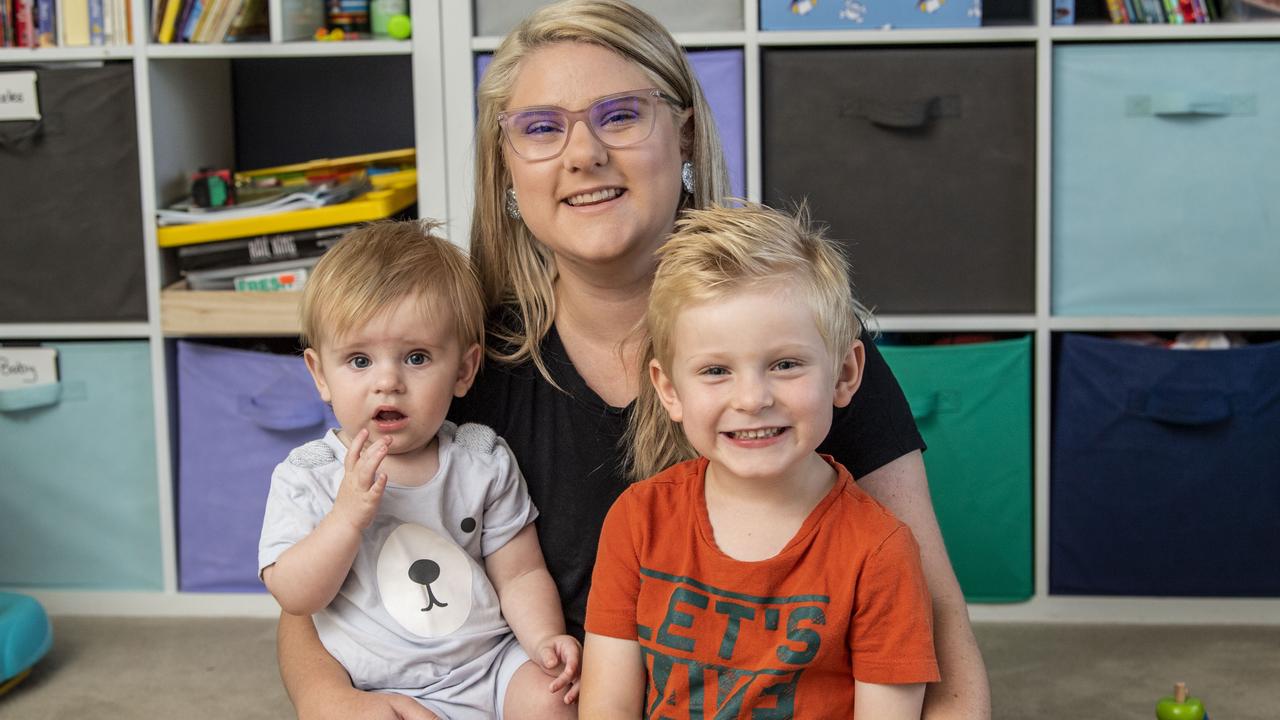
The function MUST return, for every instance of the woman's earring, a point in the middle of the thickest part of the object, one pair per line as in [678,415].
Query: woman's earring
[513,207]
[686,176]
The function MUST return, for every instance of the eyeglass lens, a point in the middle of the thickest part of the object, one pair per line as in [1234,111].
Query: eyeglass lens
[615,121]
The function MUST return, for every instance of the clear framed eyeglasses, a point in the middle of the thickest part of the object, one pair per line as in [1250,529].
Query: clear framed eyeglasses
[619,120]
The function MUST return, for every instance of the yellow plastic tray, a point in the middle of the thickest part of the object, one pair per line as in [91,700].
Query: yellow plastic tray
[392,192]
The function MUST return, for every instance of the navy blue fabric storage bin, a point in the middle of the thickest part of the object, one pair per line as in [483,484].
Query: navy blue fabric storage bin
[1165,178]
[1165,470]
[240,412]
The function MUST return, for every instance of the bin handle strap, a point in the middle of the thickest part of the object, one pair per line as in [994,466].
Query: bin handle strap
[1180,406]
[934,402]
[271,414]
[38,396]
[923,404]
[1180,105]
[903,114]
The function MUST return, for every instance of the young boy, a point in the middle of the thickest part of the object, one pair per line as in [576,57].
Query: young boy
[753,578]
[410,539]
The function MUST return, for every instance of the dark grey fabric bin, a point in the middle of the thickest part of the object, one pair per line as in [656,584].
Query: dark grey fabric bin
[922,161]
[70,210]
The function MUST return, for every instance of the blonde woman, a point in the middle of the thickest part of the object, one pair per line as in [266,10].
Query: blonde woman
[592,135]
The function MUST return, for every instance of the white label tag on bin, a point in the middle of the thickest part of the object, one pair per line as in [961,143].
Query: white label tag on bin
[27,366]
[18,97]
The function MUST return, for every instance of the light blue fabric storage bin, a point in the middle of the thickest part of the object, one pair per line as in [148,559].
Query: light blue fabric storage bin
[78,489]
[1166,170]
[868,14]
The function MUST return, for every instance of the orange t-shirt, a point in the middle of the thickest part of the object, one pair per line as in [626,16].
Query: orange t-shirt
[778,638]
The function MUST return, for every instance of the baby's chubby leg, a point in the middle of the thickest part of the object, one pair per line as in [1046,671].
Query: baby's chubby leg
[528,697]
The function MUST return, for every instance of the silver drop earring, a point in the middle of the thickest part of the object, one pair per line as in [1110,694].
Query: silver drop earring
[513,207]
[686,176]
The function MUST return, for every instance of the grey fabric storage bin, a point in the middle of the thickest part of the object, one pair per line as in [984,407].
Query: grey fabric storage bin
[498,17]
[922,161]
[70,211]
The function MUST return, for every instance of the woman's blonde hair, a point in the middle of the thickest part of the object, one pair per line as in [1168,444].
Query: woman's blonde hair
[377,265]
[713,254]
[515,269]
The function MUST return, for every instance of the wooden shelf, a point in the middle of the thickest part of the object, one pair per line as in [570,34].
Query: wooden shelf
[225,313]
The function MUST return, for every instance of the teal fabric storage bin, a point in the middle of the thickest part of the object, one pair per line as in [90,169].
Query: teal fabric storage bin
[78,489]
[973,406]
[1165,160]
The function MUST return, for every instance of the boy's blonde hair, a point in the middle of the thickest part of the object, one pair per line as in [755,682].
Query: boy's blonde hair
[515,269]
[713,254]
[379,264]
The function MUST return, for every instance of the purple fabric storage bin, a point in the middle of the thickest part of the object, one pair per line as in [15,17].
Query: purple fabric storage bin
[720,74]
[240,412]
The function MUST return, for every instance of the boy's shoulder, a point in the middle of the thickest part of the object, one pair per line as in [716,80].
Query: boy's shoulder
[667,485]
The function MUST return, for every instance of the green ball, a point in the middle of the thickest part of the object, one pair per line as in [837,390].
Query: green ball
[399,27]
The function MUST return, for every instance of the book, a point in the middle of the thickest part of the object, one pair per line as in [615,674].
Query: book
[75,23]
[97,35]
[22,367]
[250,23]
[24,23]
[46,24]
[225,278]
[225,19]
[279,281]
[187,21]
[171,9]
[278,247]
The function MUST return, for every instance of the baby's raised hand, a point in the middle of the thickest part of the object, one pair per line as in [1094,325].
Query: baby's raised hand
[362,484]
[561,657]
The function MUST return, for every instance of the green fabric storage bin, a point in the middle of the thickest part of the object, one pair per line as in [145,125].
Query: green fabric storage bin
[973,406]
[79,505]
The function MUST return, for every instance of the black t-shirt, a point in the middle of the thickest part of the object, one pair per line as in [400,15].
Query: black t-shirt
[568,444]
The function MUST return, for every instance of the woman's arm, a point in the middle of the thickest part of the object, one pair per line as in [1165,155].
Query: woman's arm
[320,689]
[613,679]
[903,488]
[887,702]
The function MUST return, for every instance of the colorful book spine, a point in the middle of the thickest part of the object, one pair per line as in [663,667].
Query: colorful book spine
[5,23]
[171,9]
[1116,9]
[24,23]
[187,22]
[46,24]
[97,23]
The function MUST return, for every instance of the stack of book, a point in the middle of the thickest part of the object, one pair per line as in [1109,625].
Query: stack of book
[283,220]
[208,21]
[1179,12]
[64,23]
[265,263]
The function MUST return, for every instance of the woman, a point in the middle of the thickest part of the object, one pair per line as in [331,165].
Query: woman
[569,209]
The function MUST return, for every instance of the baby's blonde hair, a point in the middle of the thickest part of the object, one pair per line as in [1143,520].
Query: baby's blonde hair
[377,265]
[713,254]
